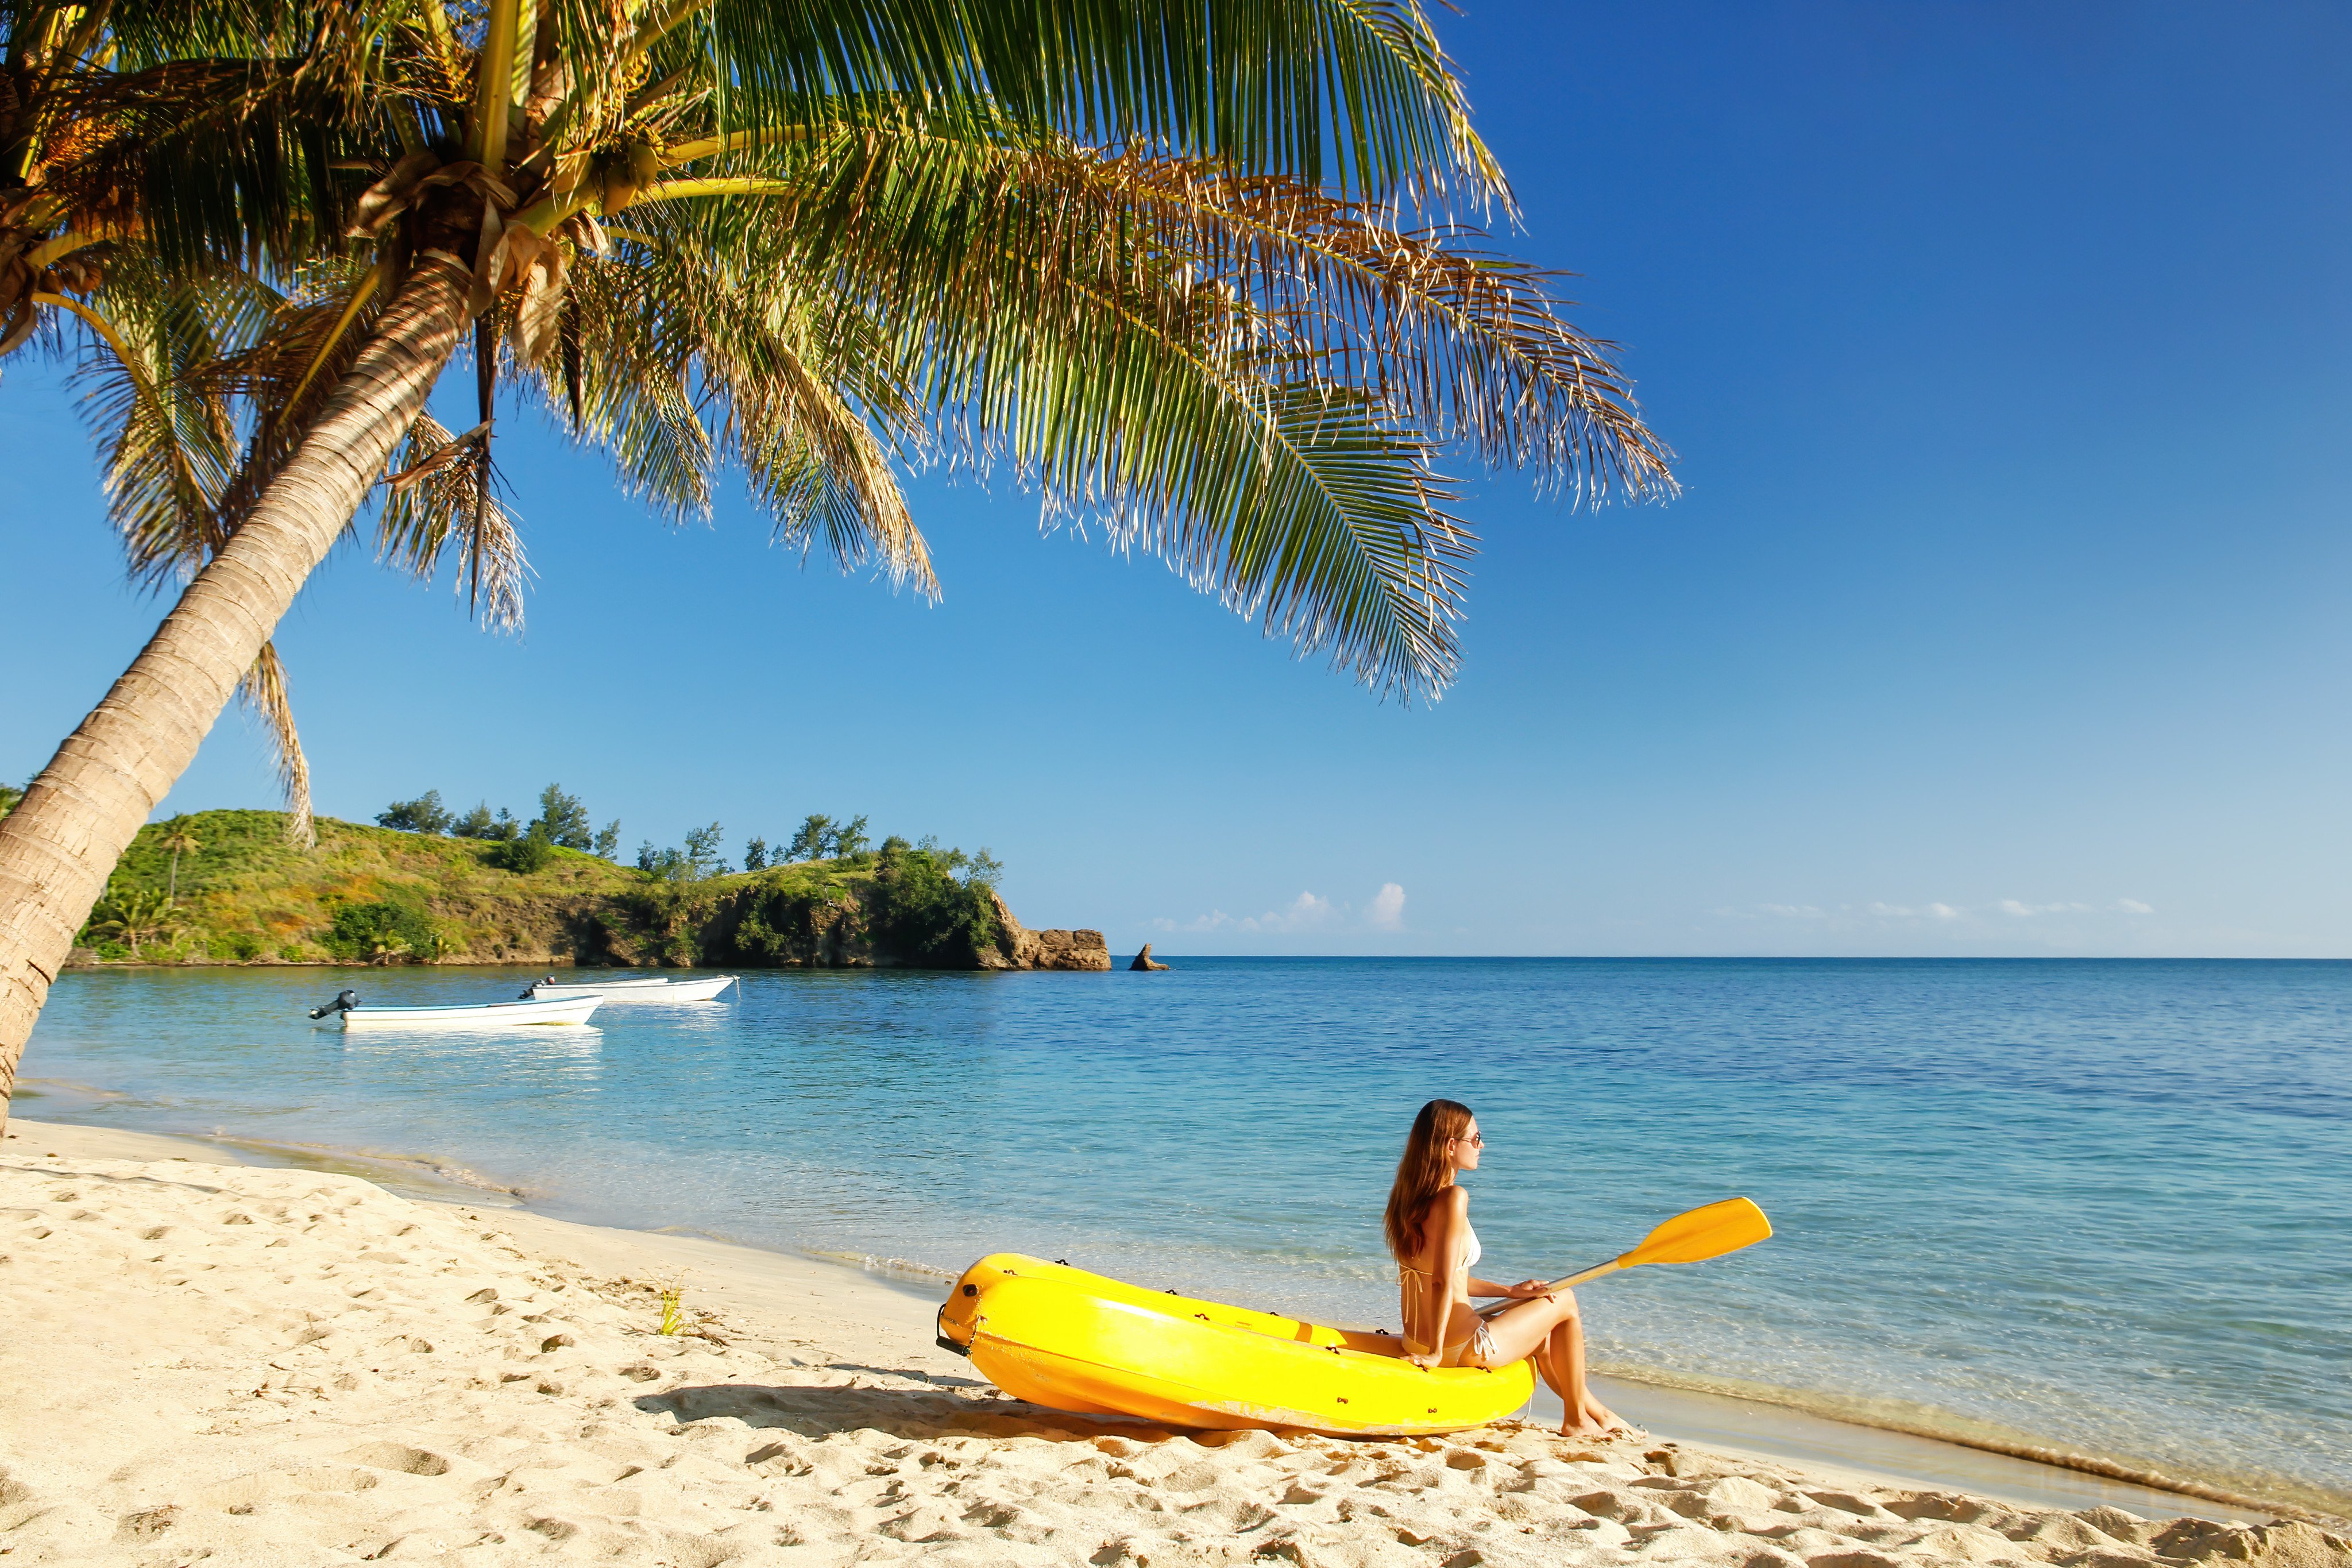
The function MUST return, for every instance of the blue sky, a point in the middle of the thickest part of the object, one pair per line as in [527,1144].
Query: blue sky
[2009,353]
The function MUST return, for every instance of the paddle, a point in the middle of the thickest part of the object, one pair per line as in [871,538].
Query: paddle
[1692,1237]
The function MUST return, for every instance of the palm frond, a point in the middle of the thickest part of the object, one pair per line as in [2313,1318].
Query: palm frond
[167,444]
[263,691]
[448,509]
[1356,93]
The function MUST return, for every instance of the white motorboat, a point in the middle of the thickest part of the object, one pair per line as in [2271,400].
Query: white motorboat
[615,992]
[479,1016]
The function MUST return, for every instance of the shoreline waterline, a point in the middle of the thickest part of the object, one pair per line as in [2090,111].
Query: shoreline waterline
[1751,1424]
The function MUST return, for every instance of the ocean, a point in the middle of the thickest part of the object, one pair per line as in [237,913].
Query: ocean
[2100,1206]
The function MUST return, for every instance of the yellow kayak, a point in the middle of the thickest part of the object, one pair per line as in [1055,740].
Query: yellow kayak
[1072,1341]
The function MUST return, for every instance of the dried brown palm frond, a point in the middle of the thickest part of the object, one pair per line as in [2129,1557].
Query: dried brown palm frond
[441,503]
[263,691]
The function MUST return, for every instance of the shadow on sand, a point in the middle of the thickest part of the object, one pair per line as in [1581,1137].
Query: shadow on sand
[942,1412]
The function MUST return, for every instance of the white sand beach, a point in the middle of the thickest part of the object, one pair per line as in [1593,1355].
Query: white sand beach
[236,1364]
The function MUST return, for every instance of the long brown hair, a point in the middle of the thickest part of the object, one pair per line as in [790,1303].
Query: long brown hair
[1421,1175]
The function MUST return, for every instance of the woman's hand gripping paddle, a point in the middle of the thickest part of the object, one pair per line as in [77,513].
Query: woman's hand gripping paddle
[1693,1238]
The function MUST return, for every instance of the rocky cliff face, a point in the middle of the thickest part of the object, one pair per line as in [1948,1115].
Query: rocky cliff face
[1017,948]
[897,918]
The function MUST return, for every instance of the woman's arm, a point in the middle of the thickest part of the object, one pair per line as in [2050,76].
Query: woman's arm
[1520,1291]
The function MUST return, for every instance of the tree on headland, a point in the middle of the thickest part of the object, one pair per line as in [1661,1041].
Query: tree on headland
[563,818]
[480,823]
[179,841]
[608,839]
[698,861]
[1158,260]
[815,839]
[424,815]
[755,854]
[702,851]
[850,839]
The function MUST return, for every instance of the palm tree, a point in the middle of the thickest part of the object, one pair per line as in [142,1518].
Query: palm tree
[137,915]
[179,841]
[169,370]
[1194,271]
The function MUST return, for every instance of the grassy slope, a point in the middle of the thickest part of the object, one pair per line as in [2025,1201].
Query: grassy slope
[251,896]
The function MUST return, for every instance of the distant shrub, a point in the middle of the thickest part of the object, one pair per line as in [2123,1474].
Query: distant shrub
[381,933]
[292,952]
[243,946]
[524,856]
[423,814]
[479,824]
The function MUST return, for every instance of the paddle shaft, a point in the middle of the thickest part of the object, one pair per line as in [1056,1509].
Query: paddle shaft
[1595,1273]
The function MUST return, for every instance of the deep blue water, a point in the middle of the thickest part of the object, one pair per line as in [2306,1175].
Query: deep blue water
[2103,1205]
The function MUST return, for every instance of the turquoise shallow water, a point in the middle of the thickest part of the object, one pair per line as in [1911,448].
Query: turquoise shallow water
[2105,1206]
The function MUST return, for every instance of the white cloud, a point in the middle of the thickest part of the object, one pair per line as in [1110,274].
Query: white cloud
[1309,912]
[1840,918]
[1303,912]
[1216,920]
[1937,912]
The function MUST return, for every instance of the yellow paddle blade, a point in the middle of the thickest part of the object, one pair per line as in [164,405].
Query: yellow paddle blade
[1702,1234]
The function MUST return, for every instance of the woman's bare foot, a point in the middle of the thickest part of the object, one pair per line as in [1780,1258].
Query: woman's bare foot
[1597,1420]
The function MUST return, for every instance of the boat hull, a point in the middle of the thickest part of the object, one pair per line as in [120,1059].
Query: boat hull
[1072,1341]
[633,991]
[489,1015]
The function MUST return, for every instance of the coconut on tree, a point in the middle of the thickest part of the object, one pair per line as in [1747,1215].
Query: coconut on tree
[1192,270]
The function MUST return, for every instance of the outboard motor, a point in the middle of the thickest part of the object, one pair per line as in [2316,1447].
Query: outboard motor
[535,985]
[343,1003]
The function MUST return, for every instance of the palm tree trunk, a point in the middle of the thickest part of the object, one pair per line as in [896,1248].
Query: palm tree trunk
[60,844]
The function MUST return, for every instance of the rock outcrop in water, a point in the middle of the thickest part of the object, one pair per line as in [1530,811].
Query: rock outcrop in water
[1143,961]
[1019,948]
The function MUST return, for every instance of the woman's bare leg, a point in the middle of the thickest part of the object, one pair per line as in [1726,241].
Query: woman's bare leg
[1550,1331]
[1567,1345]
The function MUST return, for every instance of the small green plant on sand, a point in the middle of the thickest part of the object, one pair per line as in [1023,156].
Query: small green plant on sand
[673,1299]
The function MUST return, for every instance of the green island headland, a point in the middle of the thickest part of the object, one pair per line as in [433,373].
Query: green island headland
[378,895]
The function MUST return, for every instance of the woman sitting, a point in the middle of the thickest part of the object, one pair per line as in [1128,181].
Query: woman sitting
[1428,1233]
